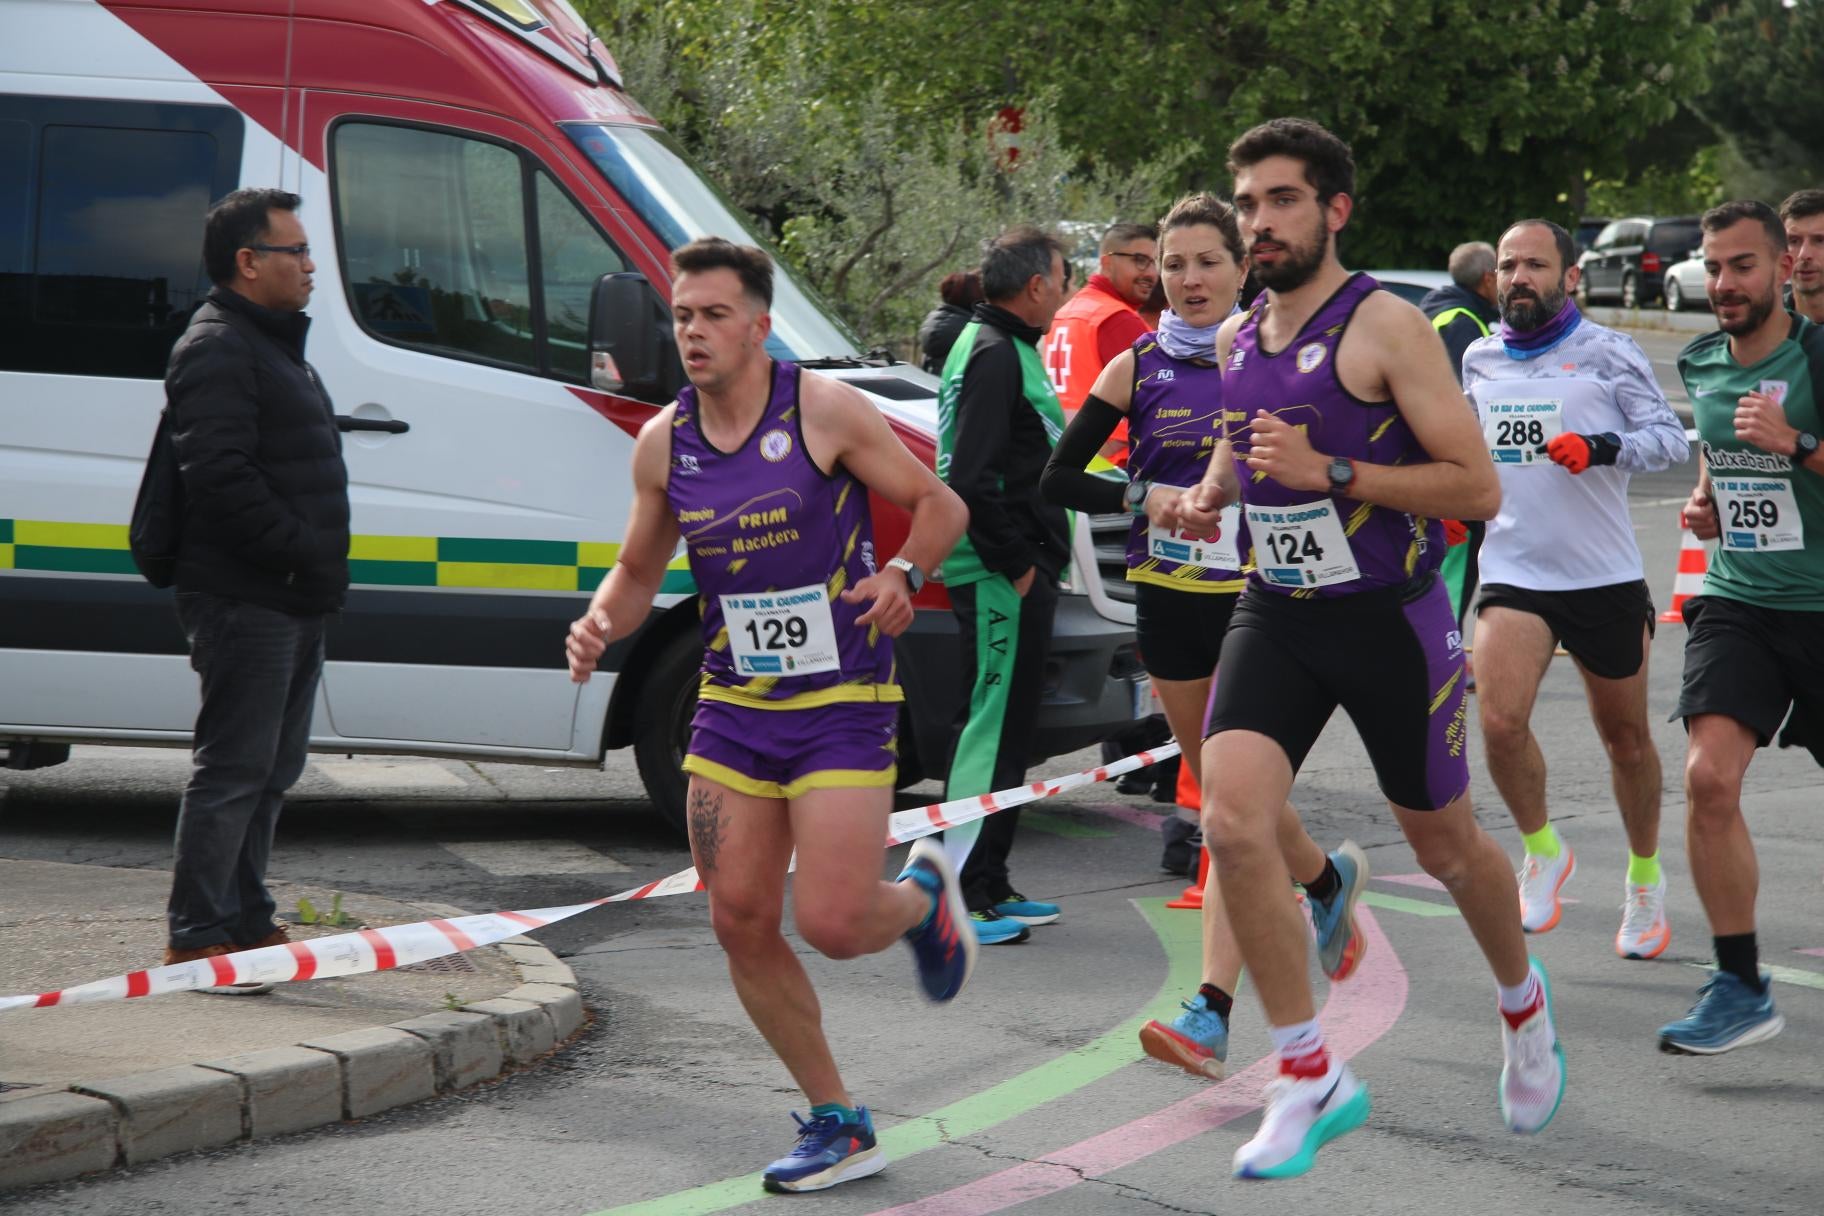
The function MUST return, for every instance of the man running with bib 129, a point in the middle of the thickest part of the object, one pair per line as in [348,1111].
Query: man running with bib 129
[764,470]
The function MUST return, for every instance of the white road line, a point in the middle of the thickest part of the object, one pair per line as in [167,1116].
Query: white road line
[531,858]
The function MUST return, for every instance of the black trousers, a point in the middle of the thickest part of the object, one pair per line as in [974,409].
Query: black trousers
[1005,638]
[259,669]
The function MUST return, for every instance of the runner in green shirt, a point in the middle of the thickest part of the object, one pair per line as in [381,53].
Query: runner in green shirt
[1756,644]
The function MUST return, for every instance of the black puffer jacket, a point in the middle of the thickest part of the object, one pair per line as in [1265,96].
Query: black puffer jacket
[266,492]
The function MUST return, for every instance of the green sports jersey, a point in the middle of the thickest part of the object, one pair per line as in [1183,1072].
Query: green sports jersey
[1771,512]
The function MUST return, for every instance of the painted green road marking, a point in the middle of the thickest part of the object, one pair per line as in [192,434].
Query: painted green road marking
[1180,934]
[1059,825]
[1784,975]
[1399,903]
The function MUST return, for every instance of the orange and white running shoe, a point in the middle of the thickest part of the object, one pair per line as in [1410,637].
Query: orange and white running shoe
[1645,932]
[1541,880]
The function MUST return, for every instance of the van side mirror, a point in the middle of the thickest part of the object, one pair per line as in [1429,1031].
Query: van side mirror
[631,348]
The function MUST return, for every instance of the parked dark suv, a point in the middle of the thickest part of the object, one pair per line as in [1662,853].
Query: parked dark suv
[1627,262]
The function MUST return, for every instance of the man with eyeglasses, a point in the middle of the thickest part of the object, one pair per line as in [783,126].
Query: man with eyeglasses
[1102,319]
[261,564]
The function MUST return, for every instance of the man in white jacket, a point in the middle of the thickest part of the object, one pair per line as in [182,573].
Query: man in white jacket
[1569,409]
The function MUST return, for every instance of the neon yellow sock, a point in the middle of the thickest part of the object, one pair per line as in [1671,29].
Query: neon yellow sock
[1543,843]
[1643,871]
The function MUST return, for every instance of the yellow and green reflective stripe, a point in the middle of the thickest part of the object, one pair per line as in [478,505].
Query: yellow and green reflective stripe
[374,561]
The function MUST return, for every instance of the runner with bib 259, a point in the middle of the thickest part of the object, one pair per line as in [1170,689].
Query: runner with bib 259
[1353,443]
[1169,388]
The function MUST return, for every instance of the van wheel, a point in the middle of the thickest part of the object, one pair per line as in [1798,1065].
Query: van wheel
[668,700]
[1630,291]
[1675,299]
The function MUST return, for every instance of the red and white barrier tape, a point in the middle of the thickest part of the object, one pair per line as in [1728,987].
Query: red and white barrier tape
[403,945]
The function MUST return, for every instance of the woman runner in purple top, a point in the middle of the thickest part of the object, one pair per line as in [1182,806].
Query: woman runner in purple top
[1169,387]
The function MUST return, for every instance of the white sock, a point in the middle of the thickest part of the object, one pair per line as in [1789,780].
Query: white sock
[1521,996]
[1297,1041]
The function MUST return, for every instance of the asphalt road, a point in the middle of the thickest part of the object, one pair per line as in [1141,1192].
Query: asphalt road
[1030,1092]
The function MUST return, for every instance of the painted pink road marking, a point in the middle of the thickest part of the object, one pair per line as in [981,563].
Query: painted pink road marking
[1356,1014]
[1814,951]
[1126,814]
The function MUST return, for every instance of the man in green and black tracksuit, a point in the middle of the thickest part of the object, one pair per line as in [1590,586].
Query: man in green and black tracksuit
[998,419]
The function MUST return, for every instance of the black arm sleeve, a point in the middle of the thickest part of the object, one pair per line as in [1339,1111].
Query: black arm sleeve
[1065,482]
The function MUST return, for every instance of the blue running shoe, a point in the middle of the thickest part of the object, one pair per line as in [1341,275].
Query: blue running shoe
[1340,945]
[993,929]
[1028,911]
[1728,1014]
[828,1151]
[1197,1040]
[944,945]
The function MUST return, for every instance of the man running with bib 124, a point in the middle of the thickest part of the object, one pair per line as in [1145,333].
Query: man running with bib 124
[1353,444]
[764,470]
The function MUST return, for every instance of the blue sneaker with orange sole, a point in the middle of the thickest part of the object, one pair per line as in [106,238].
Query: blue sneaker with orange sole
[944,945]
[830,1150]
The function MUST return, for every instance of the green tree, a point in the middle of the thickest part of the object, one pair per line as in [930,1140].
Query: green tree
[1766,94]
[1463,114]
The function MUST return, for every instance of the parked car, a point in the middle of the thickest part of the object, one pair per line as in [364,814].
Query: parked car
[1685,283]
[1628,260]
[1588,229]
[1411,285]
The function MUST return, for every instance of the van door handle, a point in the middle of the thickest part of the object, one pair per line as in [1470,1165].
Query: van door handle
[392,426]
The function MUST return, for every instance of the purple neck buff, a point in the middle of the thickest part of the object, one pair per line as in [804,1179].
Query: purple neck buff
[1524,345]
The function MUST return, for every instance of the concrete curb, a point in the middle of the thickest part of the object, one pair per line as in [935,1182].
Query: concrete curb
[54,1136]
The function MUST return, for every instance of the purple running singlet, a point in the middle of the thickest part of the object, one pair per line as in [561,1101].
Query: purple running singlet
[1309,542]
[1172,427]
[794,695]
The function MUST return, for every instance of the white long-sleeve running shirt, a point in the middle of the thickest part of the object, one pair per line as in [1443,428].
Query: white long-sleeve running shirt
[1559,531]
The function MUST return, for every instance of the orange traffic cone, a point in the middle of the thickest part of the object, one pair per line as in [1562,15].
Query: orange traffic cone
[1189,796]
[1693,564]
[1193,894]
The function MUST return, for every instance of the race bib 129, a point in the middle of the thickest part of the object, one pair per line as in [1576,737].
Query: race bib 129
[1302,546]
[782,633]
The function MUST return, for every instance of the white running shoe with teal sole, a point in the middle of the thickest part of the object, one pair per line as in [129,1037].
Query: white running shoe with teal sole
[1302,1116]
[1533,1073]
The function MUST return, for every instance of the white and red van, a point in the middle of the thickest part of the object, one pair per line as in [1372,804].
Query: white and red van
[470,170]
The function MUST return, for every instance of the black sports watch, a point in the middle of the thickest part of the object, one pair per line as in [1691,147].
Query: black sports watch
[915,578]
[1342,474]
[1133,496]
[1805,448]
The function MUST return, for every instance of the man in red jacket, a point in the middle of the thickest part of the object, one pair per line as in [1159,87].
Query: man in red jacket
[1102,319]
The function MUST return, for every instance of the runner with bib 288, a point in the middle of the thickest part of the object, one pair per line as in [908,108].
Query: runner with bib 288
[764,471]
[1169,388]
[1347,441]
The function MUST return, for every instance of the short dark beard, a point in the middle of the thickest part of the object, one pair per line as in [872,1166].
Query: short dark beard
[1526,315]
[1758,312]
[1297,265]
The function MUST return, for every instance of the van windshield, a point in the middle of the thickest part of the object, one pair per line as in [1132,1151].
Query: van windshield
[647,170]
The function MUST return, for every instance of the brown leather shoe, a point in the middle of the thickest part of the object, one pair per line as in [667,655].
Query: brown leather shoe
[278,937]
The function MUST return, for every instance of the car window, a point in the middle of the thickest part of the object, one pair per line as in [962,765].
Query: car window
[1676,238]
[433,241]
[1637,234]
[1608,236]
[572,255]
[101,230]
